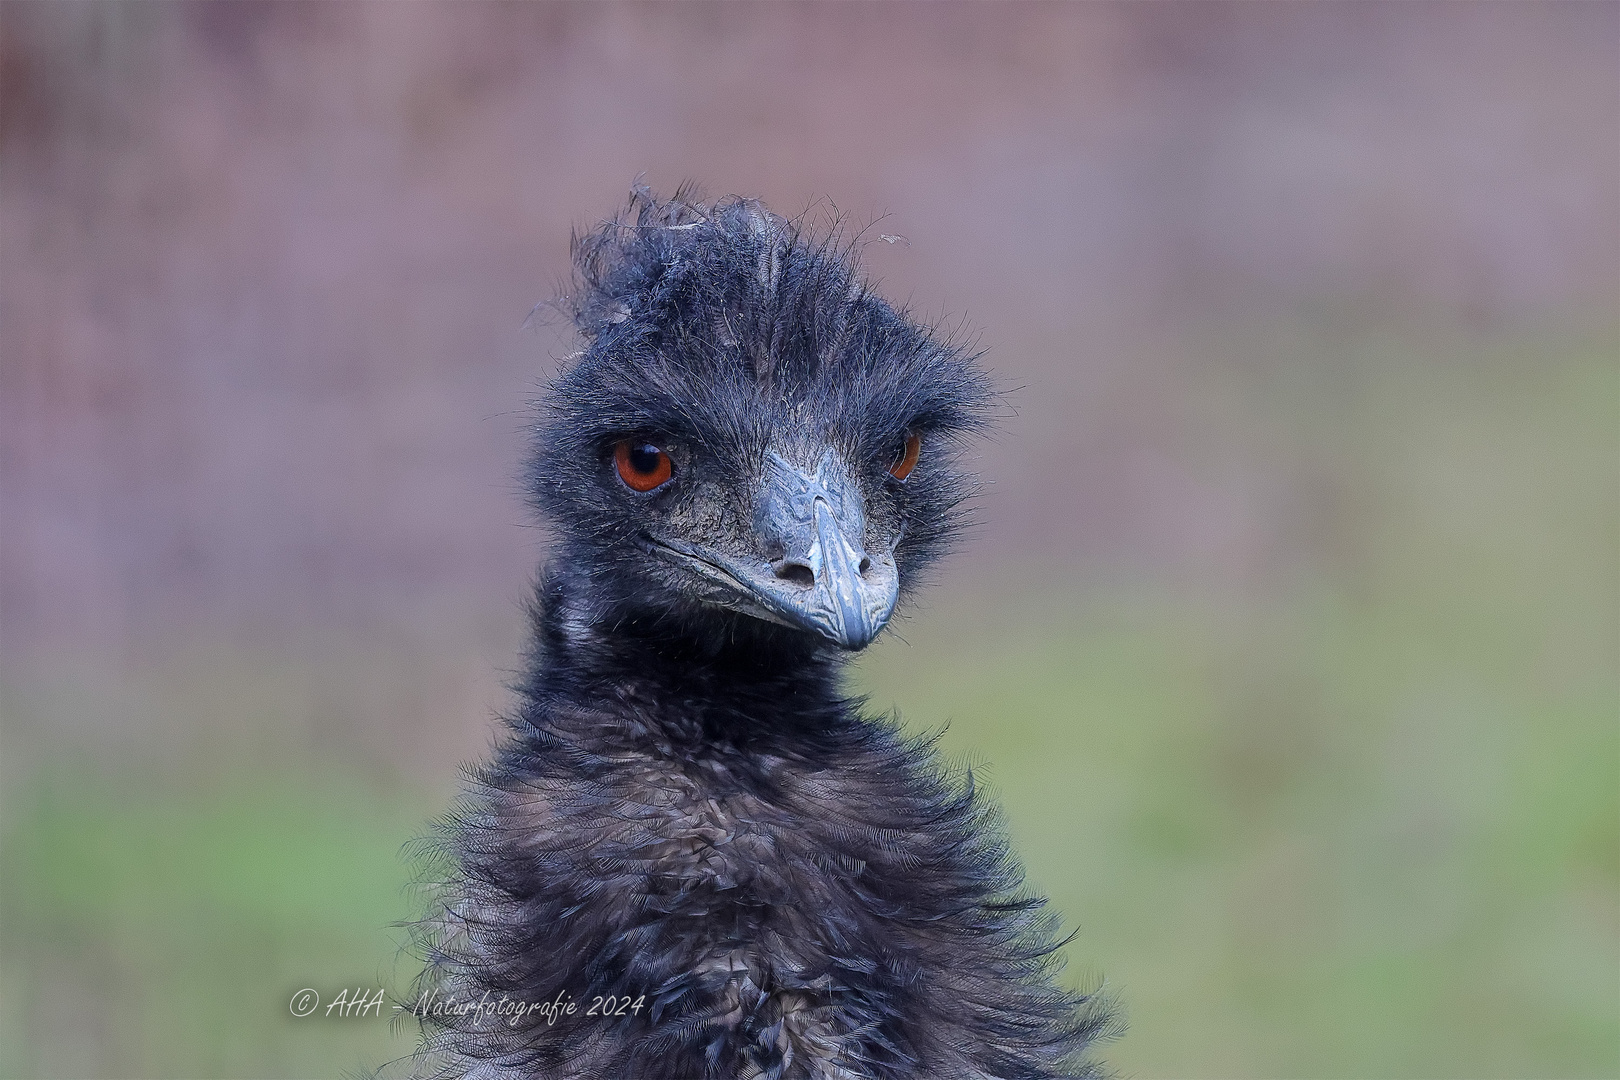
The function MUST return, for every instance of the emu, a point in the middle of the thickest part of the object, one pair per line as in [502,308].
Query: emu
[690,833]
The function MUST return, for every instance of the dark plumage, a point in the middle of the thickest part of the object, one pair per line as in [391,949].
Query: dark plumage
[687,813]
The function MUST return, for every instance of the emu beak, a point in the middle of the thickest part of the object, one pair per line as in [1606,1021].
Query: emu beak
[825,580]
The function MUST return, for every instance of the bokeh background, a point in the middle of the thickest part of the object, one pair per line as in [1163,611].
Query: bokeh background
[1289,636]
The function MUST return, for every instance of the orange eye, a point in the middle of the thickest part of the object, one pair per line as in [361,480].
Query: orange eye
[906,459]
[642,465]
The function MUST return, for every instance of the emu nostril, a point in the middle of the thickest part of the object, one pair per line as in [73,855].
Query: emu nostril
[796,572]
[866,564]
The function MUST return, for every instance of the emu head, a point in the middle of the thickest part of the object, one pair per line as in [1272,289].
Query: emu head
[751,444]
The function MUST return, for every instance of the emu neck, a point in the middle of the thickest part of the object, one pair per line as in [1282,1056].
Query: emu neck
[648,682]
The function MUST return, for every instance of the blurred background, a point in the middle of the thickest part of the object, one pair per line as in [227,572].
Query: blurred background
[1289,638]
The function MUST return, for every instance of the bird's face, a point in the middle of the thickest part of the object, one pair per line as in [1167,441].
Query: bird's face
[803,535]
[699,495]
[736,445]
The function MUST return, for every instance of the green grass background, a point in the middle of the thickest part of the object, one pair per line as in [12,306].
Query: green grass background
[1360,821]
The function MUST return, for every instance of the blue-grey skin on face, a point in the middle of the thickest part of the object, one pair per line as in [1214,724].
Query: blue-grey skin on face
[824,577]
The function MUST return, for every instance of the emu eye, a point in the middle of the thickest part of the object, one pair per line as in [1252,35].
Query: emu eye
[905,456]
[642,465]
